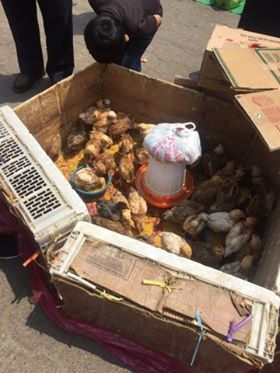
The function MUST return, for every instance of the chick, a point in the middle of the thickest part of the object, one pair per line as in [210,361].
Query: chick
[232,269]
[126,168]
[88,181]
[121,124]
[76,139]
[104,141]
[144,128]
[141,155]
[126,144]
[126,213]
[110,210]
[246,265]
[115,226]
[239,234]
[212,161]
[137,204]
[103,103]
[193,225]
[227,197]
[228,170]
[103,120]
[90,115]
[105,163]
[206,192]
[92,152]
[179,213]
[252,247]
[53,148]
[203,253]
[222,221]
[175,244]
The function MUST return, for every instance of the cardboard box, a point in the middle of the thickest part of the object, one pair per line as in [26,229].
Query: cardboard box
[117,283]
[212,77]
[238,62]
[154,101]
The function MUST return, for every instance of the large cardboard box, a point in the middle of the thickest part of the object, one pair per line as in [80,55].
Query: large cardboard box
[153,101]
[237,63]
[213,78]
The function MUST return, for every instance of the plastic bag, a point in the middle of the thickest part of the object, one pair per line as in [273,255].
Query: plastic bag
[174,142]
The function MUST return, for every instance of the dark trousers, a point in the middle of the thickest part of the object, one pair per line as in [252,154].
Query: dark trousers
[133,51]
[57,17]
[261,16]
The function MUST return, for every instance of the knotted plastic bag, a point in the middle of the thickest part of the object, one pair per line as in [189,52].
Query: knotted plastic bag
[174,142]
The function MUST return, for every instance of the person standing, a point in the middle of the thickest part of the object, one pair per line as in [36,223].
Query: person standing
[261,16]
[23,21]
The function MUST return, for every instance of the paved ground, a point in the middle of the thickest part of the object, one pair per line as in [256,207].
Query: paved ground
[29,342]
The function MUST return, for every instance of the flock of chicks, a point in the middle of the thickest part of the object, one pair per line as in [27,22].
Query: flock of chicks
[222,217]
[216,226]
[105,128]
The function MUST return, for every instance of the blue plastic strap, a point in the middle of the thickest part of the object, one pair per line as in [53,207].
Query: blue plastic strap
[198,338]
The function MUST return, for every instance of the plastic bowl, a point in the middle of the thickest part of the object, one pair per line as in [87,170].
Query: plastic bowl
[84,193]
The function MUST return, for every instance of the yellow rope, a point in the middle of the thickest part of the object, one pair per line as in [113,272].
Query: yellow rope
[110,297]
[161,284]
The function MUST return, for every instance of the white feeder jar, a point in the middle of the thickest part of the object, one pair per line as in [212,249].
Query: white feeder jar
[172,146]
[165,179]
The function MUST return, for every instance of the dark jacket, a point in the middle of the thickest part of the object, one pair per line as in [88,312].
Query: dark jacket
[135,15]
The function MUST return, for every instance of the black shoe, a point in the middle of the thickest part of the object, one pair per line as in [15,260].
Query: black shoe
[58,76]
[24,82]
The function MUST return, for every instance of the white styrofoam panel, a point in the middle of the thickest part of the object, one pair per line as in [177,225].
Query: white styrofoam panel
[44,197]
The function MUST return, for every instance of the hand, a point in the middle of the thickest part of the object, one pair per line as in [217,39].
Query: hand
[158,19]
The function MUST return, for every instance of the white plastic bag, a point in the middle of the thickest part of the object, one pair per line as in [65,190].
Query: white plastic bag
[174,142]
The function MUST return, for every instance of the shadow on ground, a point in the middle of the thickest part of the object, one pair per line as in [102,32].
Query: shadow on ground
[20,283]
[7,95]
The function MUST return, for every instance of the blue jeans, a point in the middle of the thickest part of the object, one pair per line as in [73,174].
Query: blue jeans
[133,51]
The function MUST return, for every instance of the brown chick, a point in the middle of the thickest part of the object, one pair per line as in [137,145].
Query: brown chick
[115,226]
[110,210]
[206,192]
[76,139]
[126,168]
[90,115]
[126,213]
[120,125]
[141,155]
[227,198]
[105,163]
[137,204]
[54,147]
[92,152]
[180,213]
[103,120]
[211,161]
[126,144]
[104,140]
[204,254]
[144,128]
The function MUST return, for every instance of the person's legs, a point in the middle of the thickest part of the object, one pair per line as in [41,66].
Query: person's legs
[22,18]
[57,16]
[133,51]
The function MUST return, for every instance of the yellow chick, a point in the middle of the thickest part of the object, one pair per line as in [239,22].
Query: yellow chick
[193,225]
[175,244]
[137,204]
[144,128]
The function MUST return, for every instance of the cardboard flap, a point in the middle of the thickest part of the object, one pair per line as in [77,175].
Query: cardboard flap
[122,274]
[252,69]
[263,108]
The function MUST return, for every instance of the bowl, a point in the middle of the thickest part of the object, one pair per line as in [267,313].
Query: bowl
[84,193]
